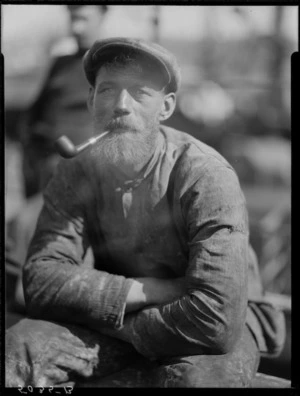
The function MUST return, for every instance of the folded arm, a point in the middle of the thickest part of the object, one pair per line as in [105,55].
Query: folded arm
[204,313]
[59,284]
[210,315]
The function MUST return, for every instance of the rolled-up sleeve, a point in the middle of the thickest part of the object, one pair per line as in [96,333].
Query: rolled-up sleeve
[58,284]
[209,318]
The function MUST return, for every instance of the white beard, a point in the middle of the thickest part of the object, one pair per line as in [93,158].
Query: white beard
[126,148]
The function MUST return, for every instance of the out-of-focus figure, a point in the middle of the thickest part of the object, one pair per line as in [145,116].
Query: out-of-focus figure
[60,108]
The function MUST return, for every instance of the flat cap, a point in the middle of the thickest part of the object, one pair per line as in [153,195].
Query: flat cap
[101,49]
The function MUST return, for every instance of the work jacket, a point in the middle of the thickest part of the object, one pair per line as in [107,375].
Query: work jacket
[184,216]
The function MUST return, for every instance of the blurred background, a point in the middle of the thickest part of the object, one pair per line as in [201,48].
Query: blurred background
[235,96]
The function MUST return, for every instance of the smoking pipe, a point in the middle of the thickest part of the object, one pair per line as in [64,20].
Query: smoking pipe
[67,149]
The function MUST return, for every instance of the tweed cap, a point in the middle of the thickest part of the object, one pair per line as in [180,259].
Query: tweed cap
[102,49]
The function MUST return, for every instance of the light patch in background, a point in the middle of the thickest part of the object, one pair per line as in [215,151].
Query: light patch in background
[185,22]
[30,33]
[133,21]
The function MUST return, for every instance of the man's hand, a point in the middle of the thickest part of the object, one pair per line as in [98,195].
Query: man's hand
[148,291]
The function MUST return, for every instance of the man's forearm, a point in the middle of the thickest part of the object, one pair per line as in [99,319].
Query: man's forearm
[143,292]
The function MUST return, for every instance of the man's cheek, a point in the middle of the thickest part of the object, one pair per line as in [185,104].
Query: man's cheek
[103,107]
[103,113]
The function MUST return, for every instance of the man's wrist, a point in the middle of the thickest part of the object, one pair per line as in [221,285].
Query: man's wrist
[160,291]
[149,291]
[136,298]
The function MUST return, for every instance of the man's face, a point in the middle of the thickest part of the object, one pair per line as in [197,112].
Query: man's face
[128,105]
[86,24]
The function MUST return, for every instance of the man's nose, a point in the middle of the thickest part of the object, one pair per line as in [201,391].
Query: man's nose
[123,103]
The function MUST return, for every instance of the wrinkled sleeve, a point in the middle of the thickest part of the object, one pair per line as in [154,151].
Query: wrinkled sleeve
[209,318]
[58,283]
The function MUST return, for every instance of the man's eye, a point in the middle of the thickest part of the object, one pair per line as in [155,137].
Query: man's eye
[141,92]
[105,90]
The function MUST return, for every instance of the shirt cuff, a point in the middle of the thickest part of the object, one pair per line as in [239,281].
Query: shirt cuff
[109,303]
[119,322]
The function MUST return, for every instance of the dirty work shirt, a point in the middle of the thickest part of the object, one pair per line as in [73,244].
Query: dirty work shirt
[185,215]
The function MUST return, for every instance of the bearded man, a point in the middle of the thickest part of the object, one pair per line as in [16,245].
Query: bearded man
[173,296]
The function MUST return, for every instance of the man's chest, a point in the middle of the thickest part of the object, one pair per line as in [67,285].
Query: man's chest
[139,237]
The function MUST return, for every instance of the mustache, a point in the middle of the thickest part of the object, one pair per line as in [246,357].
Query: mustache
[120,123]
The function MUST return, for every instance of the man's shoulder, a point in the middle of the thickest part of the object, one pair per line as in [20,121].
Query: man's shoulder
[68,173]
[190,151]
[70,184]
[196,165]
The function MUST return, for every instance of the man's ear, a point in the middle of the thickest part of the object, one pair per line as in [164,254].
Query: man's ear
[168,106]
[90,100]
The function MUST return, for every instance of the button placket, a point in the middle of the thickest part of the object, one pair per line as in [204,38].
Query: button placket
[126,201]
[126,190]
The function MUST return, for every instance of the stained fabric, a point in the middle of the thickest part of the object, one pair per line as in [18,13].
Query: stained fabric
[43,354]
[186,217]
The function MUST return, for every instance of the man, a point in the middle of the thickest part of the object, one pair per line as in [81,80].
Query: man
[173,298]
[60,107]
